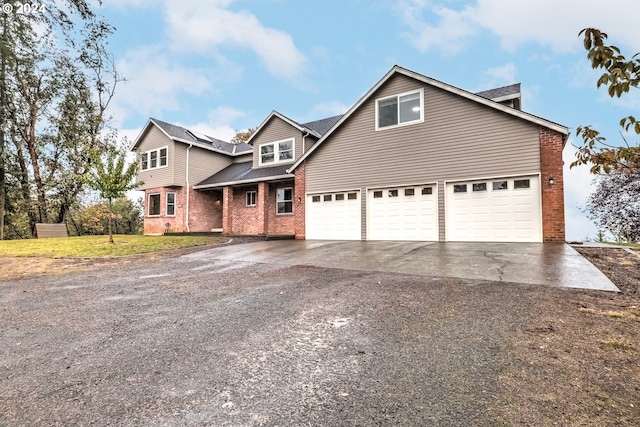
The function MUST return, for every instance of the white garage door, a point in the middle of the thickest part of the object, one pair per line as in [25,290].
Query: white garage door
[403,213]
[333,216]
[495,210]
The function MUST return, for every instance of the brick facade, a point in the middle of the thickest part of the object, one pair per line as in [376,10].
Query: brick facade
[205,211]
[259,219]
[551,166]
[299,202]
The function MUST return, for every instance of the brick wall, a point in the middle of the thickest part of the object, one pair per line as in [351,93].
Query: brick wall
[299,201]
[205,211]
[283,224]
[246,219]
[261,219]
[553,227]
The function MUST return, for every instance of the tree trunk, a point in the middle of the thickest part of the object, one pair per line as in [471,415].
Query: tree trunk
[110,215]
[3,115]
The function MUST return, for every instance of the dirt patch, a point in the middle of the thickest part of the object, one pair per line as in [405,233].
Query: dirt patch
[578,363]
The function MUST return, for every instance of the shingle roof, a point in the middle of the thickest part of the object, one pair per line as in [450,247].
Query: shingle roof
[323,125]
[183,134]
[501,92]
[242,172]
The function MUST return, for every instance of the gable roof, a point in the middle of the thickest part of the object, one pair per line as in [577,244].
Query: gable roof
[316,128]
[186,136]
[243,173]
[438,84]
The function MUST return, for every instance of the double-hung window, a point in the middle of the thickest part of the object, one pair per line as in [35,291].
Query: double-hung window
[276,152]
[171,204]
[284,200]
[154,159]
[400,110]
[251,198]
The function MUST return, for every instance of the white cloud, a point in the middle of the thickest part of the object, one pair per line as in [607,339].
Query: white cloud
[193,27]
[154,84]
[500,76]
[578,185]
[549,23]
[448,34]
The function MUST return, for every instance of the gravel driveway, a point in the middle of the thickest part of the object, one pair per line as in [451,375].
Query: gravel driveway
[222,343]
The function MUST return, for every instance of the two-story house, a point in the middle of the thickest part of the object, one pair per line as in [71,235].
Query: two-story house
[413,159]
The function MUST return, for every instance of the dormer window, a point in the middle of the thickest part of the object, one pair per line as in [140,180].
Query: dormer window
[399,110]
[277,152]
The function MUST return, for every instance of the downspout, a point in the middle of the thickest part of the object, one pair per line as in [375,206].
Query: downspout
[188,191]
[304,141]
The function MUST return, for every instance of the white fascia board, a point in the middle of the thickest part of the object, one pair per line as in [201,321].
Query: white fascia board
[144,130]
[209,148]
[285,119]
[244,181]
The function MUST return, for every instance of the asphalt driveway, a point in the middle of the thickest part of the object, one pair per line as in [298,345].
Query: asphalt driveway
[533,263]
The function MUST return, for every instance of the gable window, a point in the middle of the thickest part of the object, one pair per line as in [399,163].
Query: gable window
[284,200]
[154,159]
[399,110]
[154,204]
[171,204]
[275,152]
[251,198]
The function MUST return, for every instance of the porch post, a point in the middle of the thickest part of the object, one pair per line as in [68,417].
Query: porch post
[227,200]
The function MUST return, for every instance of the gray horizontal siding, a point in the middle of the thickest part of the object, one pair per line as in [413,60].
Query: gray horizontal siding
[459,139]
[276,130]
[163,177]
[202,163]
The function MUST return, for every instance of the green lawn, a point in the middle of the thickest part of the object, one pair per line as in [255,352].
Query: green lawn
[99,246]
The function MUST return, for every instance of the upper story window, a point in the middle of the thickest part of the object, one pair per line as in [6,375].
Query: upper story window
[276,152]
[154,159]
[399,110]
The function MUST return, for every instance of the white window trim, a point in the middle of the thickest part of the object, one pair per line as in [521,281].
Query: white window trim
[246,198]
[284,201]
[148,153]
[276,152]
[148,207]
[166,204]
[397,96]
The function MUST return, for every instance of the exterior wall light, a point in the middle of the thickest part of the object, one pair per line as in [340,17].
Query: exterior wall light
[550,181]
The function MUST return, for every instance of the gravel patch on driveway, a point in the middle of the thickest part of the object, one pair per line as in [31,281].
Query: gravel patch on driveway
[222,343]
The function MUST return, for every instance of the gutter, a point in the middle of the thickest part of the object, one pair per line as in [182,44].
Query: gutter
[244,181]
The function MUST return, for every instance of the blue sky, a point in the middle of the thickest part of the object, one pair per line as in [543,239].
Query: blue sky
[221,65]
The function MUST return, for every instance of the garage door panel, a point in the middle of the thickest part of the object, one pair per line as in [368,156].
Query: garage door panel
[402,213]
[331,219]
[499,213]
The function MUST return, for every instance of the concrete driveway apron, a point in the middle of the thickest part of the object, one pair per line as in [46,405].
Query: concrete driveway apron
[532,263]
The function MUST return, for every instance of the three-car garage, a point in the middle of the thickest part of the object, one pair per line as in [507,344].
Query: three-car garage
[504,209]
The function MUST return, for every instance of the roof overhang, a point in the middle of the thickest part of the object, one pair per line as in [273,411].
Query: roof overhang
[244,181]
[284,119]
[204,146]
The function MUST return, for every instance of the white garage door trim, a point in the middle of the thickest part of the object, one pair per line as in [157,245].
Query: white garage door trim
[333,216]
[404,213]
[487,212]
